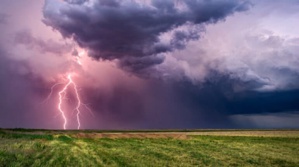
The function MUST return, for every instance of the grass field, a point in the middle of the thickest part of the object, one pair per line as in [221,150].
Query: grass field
[21,147]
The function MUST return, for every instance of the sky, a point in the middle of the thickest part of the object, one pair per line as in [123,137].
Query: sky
[149,64]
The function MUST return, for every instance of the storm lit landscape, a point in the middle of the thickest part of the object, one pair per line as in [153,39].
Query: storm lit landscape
[149,83]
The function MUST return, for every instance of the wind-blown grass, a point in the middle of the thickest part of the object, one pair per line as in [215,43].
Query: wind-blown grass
[25,149]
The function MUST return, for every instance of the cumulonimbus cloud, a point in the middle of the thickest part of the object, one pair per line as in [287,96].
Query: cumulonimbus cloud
[131,30]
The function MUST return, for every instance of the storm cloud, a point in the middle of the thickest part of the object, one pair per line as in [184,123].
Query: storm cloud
[131,31]
[203,63]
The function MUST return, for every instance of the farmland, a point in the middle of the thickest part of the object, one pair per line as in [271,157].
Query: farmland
[22,147]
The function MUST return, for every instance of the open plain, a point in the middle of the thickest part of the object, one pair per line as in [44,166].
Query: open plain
[22,147]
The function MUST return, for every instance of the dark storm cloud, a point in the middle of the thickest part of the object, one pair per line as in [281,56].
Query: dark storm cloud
[26,38]
[213,104]
[129,30]
[235,96]
[264,102]
[270,63]
[256,78]
[185,105]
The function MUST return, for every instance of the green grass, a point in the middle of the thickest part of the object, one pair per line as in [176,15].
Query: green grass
[21,148]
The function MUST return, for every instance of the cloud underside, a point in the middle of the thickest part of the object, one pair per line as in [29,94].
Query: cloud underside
[136,33]
[216,67]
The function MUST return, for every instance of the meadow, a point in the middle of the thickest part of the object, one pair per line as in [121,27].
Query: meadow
[21,147]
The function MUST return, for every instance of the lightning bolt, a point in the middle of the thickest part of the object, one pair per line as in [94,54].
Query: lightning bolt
[78,101]
[70,85]
[79,104]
